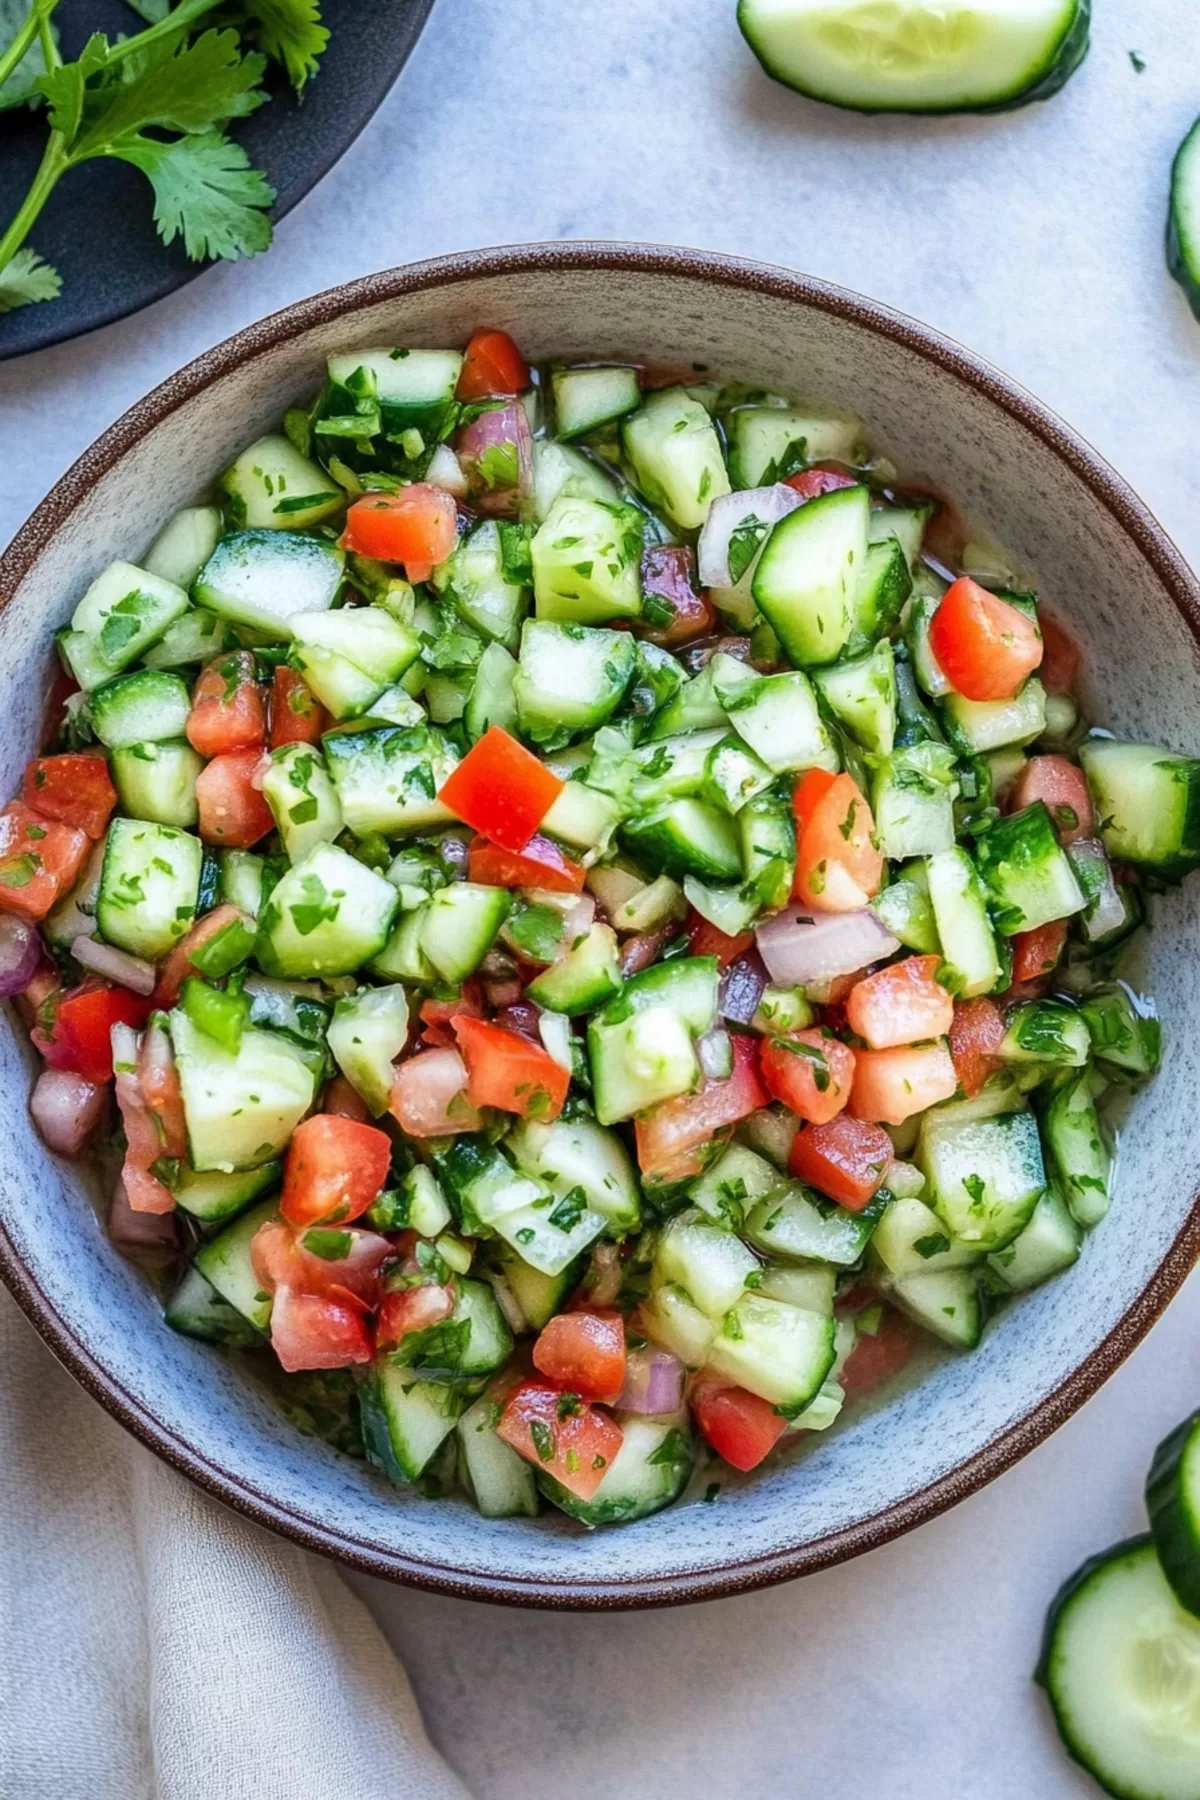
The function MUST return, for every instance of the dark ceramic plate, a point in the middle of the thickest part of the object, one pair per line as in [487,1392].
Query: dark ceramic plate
[98,228]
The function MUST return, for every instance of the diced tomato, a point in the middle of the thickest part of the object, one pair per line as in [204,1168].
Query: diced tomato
[741,1427]
[571,1441]
[583,1352]
[901,1004]
[822,478]
[158,1079]
[437,1016]
[74,790]
[671,1136]
[892,1085]
[333,1170]
[416,526]
[838,863]
[507,1071]
[847,1159]
[227,706]
[297,716]
[282,1258]
[879,1353]
[1063,786]
[492,368]
[314,1331]
[810,1071]
[143,1147]
[539,864]
[411,1309]
[707,940]
[1061,657]
[429,1096]
[179,964]
[39,860]
[669,574]
[985,646]
[501,789]
[78,1037]
[976,1033]
[1035,953]
[345,1101]
[233,812]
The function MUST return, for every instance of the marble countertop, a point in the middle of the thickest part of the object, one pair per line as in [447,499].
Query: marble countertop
[1036,238]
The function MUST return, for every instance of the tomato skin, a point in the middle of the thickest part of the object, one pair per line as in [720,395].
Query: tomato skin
[179,964]
[501,790]
[416,526]
[672,1134]
[233,812]
[227,706]
[1036,953]
[822,478]
[847,1159]
[1064,788]
[1061,657]
[838,865]
[900,1004]
[79,1036]
[891,1085]
[437,1016]
[39,860]
[297,716]
[583,1352]
[333,1170]
[810,1071]
[707,940]
[741,1427]
[411,1309]
[669,573]
[879,1354]
[429,1096]
[576,1449]
[984,646]
[280,1259]
[508,1071]
[492,368]
[539,864]
[976,1033]
[158,1079]
[73,790]
[315,1331]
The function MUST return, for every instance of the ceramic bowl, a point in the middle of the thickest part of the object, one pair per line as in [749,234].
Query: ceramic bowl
[1105,567]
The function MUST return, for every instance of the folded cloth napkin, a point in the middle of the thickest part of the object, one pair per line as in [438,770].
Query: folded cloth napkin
[154,1646]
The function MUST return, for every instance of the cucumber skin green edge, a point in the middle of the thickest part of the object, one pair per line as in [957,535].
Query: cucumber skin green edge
[1072,48]
[1187,276]
[1175,1535]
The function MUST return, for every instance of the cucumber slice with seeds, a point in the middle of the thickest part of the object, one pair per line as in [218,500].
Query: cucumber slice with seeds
[1183,231]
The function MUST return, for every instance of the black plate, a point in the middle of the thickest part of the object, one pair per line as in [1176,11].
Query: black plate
[98,227]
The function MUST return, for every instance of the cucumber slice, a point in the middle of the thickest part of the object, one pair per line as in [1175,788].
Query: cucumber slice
[157,782]
[946,1303]
[671,1319]
[195,636]
[587,562]
[302,799]
[405,1421]
[538,1296]
[386,408]
[688,985]
[1050,1243]
[801,1226]
[1183,231]
[586,398]
[492,699]
[913,797]
[1147,802]
[561,472]
[184,545]
[964,928]
[904,523]
[1078,1150]
[671,766]
[777,716]
[675,453]
[569,679]
[198,1310]
[1123,1031]
[473,579]
[905,909]
[214,1195]
[706,1260]
[297,1007]
[977,727]
[782,1353]
[807,576]
[883,587]
[76,914]
[730,1186]
[144,707]
[644,1059]
[587,976]
[733,775]
[264,578]
[767,832]
[240,1109]
[1118,1663]
[910,1239]
[368,1031]
[500,1482]
[149,887]
[985,1176]
[1027,871]
[402,958]
[926,667]
[687,837]
[1046,1031]
[122,614]
[577,1155]
[812,1287]
[769,443]
[387,777]
[272,486]
[903,56]
[224,1261]
[475,1340]
[649,1471]
[459,927]
[582,817]
[1173,1503]
[327,916]
[862,695]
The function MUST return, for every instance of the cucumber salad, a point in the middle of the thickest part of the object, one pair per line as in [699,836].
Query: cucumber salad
[603,936]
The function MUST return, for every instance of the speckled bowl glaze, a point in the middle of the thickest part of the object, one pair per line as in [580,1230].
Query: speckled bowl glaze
[1099,559]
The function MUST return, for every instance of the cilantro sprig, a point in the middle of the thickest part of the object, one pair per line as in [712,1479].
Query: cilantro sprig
[160,100]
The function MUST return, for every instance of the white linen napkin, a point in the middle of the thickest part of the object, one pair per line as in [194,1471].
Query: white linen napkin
[154,1646]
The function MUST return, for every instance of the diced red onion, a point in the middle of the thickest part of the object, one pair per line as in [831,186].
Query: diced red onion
[766,504]
[741,988]
[799,946]
[503,427]
[715,1054]
[604,1276]
[654,1382]
[638,952]
[521,1016]
[506,1300]
[445,471]
[20,954]
[152,1234]
[503,993]
[1107,909]
[115,965]
[578,922]
[66,1109]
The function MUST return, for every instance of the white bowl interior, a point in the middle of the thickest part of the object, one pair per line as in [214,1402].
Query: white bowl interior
[1144,678]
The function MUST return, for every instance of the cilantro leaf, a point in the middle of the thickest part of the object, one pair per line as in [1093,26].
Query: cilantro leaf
[204,191]
[291,33]
[21,86]
[188,87]
[26,279]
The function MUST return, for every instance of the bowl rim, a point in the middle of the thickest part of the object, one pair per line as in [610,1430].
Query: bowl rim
[1106,486]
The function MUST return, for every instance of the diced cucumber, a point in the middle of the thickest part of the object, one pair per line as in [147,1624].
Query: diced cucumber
[978,726]
[500,1482]
[582,817]
[649,1471]
[686,984]
[351,657]
[1049,1243]
[240,1109]
[224,1261]
[1027,870]
[473,579]
[406,1421]
[1124,1030]
[729,1186]
[862,695]
[538,1296]
[706,1260]
[586,977]
[302,799]
[906,524]
[492,699]
[928,671]
[1046,1031]
[387,777]
[883,587]
[799,1225]
[327,916]
[475,1340]
[782,1353]
[913,798]
[459,927]
[1147,804]
[215,1195]
[673,766]
[585,398]
[768,443]
[243,880]
[157,782]
[733,775]
[767,831]
[368,1031]
[298,1007]
[386,408]
[149,887]
[195,636]
[122,614]
[577,1155]
[548,1233]
[695,707]
[731,909]
[75,915]
[687,837]
[782,1010]
[272,486]
[197,1310]
[144,707]
[569,679]
[559,471]
[660,901]
[964,928]
[639,1061]
[264,578]
[811,1287]
[946,1302]
[184,545]
[428,1211]
[1078,1150]
[910,1239]
[402,958]
[984,1175]
[671,1319]
[808,574]
[587,562]
[777,716]
[673,447]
